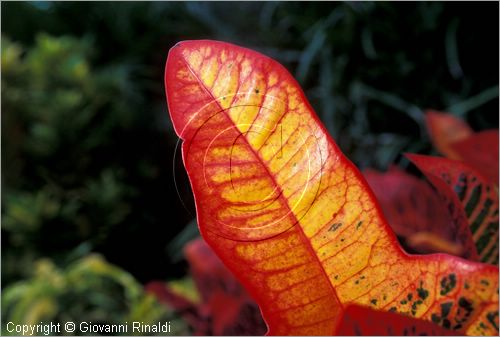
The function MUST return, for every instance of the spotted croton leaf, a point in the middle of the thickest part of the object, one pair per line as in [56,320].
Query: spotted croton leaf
[414,211]
[446,129]
[290,216]
[363,321]
[467,189]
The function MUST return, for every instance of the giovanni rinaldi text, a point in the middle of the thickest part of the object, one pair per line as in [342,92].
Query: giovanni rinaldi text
[85,327]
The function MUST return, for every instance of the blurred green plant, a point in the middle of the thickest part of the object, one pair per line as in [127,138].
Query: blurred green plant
[88,290]
[58,114]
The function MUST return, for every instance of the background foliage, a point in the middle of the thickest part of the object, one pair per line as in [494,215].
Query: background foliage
[88,160]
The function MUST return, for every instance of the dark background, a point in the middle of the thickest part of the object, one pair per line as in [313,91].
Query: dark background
[88,147]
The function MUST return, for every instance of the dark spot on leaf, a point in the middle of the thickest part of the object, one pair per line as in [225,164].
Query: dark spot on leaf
[393,309]
[403,302]
[446,323]
[448,283]
[359,224]
[464,303]
[335,226]
[414,306]
[436,318]
[422,293]
[491,318]
[257,91]
[373,301]
[445,309]
[410,296]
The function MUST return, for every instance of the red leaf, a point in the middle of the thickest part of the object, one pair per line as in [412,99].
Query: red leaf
[414,211]
[226,308]
[454,138]
[480,151]
[446,129]
[231,310]
[208,272]
[187,309]
[363,321]
[470,196]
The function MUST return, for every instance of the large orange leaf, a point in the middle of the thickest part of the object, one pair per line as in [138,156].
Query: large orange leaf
[290,215]
[467,191]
